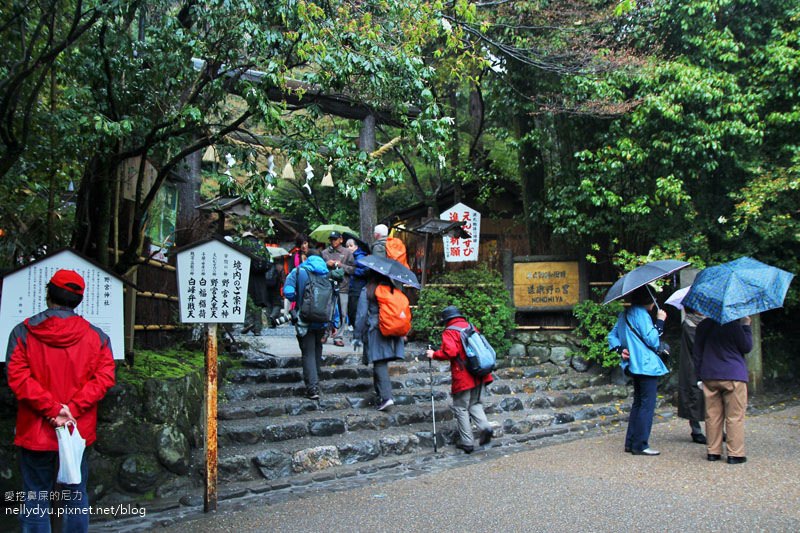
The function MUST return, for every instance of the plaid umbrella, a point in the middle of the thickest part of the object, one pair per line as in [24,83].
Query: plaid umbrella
[736,289]
[641,276]
[391,269]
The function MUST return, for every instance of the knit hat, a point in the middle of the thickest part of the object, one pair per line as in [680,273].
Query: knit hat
[69,280]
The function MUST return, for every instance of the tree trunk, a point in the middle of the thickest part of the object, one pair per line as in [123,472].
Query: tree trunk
[532,179]
[93,210]
[188,198]
[368,203]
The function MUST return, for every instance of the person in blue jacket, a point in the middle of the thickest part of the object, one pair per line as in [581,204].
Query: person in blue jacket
[309,335]
[357,280]
[640,361]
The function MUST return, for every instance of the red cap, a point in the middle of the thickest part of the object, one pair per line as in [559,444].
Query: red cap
[69,280]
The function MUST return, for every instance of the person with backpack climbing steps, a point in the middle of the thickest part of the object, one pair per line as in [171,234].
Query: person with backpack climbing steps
[382,321]
[311,288]
[467,388]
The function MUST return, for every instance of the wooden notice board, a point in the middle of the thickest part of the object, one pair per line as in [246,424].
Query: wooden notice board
[547,285]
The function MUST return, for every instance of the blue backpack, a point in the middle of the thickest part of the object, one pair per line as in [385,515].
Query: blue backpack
[481,358]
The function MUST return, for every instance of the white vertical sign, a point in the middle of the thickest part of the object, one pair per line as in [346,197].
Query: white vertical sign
[462,249]
[212,283]
[24,293]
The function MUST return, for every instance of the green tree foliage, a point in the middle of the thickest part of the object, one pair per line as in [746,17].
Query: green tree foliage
[705,158]
[161,80]
[595,320]
[480,295]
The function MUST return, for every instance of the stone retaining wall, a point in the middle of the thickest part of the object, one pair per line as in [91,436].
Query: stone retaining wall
[144,440]
[553,346]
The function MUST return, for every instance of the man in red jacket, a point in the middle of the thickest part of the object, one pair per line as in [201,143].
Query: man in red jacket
[467,389]
[59,367]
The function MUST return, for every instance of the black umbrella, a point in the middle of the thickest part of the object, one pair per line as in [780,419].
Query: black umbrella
[391,269]
[641,276]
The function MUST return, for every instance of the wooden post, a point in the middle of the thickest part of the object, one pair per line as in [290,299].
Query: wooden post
[210,497]
[424,276]
[755,368]
[129,316]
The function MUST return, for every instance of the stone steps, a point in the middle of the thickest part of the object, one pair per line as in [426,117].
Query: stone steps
[279,422]
[379,435]
[268,431]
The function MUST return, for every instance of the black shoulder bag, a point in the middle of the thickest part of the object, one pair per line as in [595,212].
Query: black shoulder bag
[663,348]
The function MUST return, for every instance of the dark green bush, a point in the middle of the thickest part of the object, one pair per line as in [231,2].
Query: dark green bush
[482,298]
[595,321]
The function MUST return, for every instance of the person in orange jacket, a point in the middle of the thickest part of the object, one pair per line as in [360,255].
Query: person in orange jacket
[466,389]
[59,367]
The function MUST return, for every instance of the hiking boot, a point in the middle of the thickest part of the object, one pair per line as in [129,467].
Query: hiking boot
[699,438]
[736,460]
[486,437]
[385,404]
[466,447]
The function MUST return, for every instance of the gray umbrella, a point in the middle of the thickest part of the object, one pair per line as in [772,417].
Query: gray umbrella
[641,276]
[391,269]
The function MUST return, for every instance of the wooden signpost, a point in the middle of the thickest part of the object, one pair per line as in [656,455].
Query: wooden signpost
[212,289]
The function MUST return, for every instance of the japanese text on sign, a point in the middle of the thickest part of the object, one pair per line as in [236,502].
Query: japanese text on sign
[25,290]
[546,284]
[212,283]
[456,249]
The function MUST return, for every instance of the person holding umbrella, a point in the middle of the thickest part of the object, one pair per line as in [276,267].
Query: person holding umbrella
[690,397]
[380,348]
[719,356]
[636,338]
[728,294]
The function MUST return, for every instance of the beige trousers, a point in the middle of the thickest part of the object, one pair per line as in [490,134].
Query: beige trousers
[726,403]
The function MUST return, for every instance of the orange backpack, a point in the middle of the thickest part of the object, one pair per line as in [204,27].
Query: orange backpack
[394,313]
[395,249]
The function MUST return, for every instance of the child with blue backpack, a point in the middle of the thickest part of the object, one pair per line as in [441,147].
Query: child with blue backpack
[467,388]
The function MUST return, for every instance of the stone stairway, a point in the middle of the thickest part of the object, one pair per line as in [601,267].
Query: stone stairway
[269,432]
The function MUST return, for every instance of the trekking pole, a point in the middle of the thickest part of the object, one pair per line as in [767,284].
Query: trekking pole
[433,408]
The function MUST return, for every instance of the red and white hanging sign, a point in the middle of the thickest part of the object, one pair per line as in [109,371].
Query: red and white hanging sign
[456,249]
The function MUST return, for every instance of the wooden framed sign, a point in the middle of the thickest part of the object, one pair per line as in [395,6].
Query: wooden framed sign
[547,283]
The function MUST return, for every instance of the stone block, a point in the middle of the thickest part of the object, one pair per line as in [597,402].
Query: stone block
[279,432]
[359,452]
[326,427]
[516,350]
[538,352]
[173,450]
[315,459]
[273,464]
[139,473]
[559,355]
[511,404]
[399,444]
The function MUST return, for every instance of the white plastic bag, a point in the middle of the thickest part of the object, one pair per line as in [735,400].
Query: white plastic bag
[70,454]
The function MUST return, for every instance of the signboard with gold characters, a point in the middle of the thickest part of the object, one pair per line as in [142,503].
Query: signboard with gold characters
[546,285]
